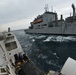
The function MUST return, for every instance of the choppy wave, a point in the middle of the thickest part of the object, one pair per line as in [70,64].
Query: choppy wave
[33,40]
[60,38]
[37,36]
[53,38]
[42,56]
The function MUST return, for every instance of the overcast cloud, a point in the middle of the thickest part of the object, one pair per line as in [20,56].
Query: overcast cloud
[17,14]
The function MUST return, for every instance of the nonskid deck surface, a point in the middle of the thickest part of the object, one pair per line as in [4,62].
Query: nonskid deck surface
[24,66]
[29,68]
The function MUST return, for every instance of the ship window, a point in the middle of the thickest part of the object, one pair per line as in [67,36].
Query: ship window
[44,25]
[11,46]
[10,38]
[38,25]
[9,34]
[1,38]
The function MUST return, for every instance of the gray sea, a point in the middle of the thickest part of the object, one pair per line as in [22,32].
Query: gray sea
[48,52]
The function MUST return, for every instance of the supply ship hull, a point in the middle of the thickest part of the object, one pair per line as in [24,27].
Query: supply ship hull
[62,30]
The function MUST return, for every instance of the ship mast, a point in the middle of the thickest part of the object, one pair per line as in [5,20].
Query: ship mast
[46,7]
[51,8]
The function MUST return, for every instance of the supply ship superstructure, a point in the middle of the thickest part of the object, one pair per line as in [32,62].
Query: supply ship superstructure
[48,23]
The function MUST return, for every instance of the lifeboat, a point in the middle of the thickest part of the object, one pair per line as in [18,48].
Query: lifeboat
[37,21]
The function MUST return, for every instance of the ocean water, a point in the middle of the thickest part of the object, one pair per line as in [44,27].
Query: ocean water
[48,52]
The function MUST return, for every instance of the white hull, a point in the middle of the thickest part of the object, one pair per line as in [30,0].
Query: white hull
[13,60]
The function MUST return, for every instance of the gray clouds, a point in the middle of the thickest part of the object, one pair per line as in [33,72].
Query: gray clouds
[12,11]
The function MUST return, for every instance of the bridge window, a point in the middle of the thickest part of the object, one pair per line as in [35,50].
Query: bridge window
[10,46]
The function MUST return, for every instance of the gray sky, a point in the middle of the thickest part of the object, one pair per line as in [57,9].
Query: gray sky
[17,14]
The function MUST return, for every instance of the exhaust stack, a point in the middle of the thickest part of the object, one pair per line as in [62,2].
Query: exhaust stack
[9,29]
[73,7]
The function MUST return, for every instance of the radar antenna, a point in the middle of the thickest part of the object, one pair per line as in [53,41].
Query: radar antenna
[70,14]
[46,7]
[51,8]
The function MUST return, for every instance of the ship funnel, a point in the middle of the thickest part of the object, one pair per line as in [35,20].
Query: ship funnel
[56,18]
[9,29]
[73,7]
[61,17]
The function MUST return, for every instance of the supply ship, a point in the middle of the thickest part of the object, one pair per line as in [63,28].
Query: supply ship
[48,23]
